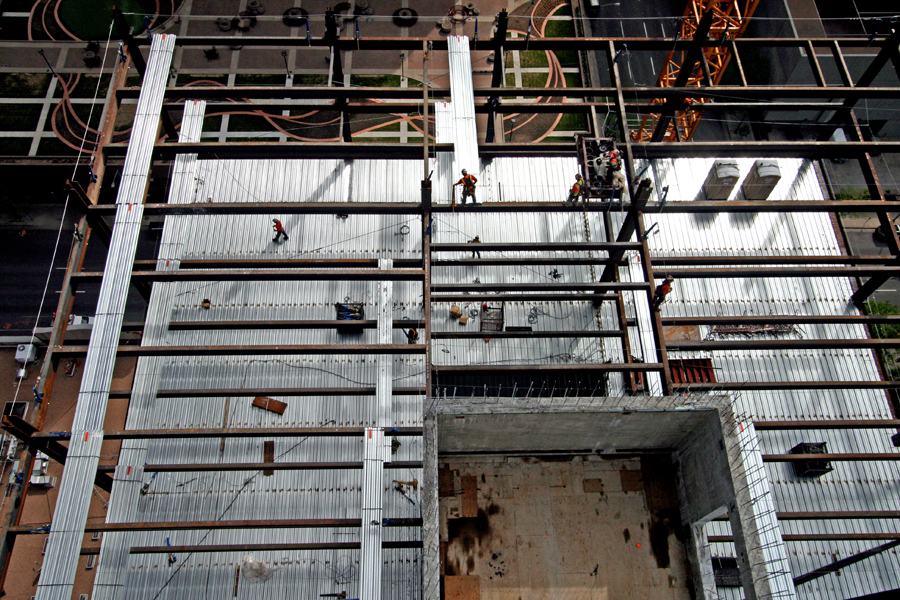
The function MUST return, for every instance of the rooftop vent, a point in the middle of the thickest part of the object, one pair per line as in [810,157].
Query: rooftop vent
[722,178]
[761,180]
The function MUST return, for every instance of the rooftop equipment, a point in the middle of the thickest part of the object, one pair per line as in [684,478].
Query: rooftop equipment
[720,181]
[761,180]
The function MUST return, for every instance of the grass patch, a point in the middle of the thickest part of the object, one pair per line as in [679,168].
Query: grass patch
[212,124]
[248,123]
[573,80]
[375,81]
[89,19]
[184,79]
[534,80]
[86,87]
[560,28]
[572,122]
[852,194]
[23,85]
[259,80]
[19,117]
[15,146]
[54,147]
[310,80]
[533,59]
[567,58]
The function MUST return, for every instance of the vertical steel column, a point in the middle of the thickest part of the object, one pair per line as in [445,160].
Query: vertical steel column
[497,74]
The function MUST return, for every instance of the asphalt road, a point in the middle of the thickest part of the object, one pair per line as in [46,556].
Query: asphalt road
[26,261]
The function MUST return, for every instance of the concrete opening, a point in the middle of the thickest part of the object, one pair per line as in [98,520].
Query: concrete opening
[596,497]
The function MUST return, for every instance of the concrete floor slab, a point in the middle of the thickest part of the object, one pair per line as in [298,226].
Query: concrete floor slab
[540,534]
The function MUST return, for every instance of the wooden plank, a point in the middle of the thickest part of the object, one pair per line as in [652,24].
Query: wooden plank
[270,404]
[462,587]
[268,456]
[593,486]
[632,481]
[445,482]
[469,496]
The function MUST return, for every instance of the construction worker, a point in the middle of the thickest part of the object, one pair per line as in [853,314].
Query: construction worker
[615,177]
[468,182]
[412,335]
[279,231]
[577,190]
[477,240]
[662,290]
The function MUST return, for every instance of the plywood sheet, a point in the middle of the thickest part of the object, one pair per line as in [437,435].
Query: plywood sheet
[593,486]
[462,587]
[469,496]
[632,481]
[445,482]
[270,404]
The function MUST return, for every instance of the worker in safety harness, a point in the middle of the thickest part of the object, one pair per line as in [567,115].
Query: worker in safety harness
[662,290]
[577,190]
[468,182]
[614,175]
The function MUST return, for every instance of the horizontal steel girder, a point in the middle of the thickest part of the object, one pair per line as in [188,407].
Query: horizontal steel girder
[847,456]
[263,275]
[764,386]
[537,287]
[732,272]
[38,528]
[153,434]
[456,335]
[781,319]
[410,208]
[121,351]
[272,466]
[523,298]
[308,324]
[274,392]
[829,424]
[537,247]
[818,537]
[711,346]
[267,547]
[562,369]
[286,263]
[661,262]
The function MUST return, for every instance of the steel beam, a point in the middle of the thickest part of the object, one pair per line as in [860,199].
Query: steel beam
[783,319]
[818,537]
[537,247]
[263,466]
[275,392]
[712,346]
[820,259]
[768,386]
[548,368]
[525,297]
[459,335]
[387,545]
[123,351]
[843,456]
[537,287]
[837,515]
[39,528]
[164,434]
[262,275]
[410,208]
[278,263]
[845,562]
[732,272]
[307,324]
[829,424]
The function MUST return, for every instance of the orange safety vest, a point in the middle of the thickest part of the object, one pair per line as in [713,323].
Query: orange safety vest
[576,189]
[468,182]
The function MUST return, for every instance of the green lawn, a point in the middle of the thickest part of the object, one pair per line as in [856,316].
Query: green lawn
[375,81]
[310,80]
[248,123]
[212,124]
[54,147]
[14,146]
[90,19]
[260,80]
[533,59]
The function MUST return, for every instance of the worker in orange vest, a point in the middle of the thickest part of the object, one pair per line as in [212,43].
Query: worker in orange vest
[279,230]
[662,290]
[468,182]
[577,190]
